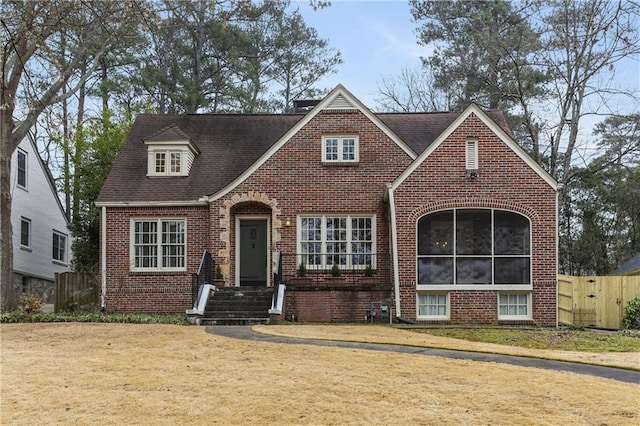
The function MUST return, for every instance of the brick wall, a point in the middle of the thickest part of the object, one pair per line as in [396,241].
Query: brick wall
[294,181]
[152,292]
[505,182]
[334,305]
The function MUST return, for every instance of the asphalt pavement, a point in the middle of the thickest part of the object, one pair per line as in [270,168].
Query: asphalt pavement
[619,374]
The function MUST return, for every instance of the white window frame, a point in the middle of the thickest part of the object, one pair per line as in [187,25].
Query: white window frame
[493,256]
[62,248]
[324,265]
[169,168]
[518,303]
[26,169]
[340,139]
[28,222]
[420,301]
[158,244]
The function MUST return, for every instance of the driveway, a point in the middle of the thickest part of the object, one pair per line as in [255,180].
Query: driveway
[619,374]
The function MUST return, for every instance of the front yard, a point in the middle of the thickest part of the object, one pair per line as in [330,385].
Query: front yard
[88,373]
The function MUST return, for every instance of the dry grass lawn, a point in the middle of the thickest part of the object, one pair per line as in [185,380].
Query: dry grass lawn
[87,373]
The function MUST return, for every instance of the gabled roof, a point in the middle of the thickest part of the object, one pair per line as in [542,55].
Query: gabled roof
[496,126]
[631,267]
[232,146]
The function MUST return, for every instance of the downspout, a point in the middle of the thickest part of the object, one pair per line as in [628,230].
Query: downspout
[103,254]
[558,188]
[394,250]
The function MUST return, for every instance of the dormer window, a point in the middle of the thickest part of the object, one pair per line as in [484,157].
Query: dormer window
[170,153]
[340,149]
[174,166]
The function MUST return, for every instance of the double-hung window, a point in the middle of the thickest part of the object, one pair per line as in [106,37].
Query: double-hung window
[22,169]
[25,233]
[433,305]
[158,244]
[347,241]
[340,149]
[474,247]
[59,251]
[513,306]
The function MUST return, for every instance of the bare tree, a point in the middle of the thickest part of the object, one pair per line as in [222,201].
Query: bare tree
[33,77]
[414,90]
[584,42]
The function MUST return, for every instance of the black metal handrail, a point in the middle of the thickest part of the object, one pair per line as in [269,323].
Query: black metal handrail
[204,275]
[351,267]
[277,279]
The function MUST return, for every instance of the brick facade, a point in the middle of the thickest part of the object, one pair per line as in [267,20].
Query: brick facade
[152,292]
[293,181]
[505,182]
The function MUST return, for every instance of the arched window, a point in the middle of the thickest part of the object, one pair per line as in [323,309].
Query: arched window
[474,247]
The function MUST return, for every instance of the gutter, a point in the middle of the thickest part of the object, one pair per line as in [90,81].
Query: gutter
[394,250]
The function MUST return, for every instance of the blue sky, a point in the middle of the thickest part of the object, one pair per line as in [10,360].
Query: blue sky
[376,38]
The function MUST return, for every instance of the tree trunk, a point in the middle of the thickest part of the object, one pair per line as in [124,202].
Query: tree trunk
[8,300]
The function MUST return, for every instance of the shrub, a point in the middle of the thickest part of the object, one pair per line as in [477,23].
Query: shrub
[21,317]
[631,318]
[368,272]
[302,270]
[29,303]
[335,270]
[219,274]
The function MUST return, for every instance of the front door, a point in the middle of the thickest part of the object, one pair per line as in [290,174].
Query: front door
[253,258]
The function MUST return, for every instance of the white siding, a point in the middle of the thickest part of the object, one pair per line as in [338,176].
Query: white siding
[38,203]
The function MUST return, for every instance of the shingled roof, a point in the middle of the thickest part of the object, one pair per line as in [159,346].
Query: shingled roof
[631,267]
[228,145]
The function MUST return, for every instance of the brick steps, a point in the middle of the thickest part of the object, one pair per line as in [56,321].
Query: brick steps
[237,306]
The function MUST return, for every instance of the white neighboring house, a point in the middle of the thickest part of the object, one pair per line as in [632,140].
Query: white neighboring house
[41,236]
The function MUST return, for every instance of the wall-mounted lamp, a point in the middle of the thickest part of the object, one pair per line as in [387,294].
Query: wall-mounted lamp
[287,222]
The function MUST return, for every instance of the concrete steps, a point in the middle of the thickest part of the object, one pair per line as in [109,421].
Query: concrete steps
[237,306]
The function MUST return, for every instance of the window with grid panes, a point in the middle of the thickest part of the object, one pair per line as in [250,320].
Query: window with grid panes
[347,241]
[159,244]
[474,247]
[340,149]
[513,305]
[433,305]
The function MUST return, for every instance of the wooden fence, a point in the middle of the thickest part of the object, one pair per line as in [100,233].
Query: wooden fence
[74,290]
[596,301]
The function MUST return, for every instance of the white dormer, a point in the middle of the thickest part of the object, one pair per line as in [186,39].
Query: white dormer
[170,152]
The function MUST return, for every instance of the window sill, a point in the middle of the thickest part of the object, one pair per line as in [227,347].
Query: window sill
[26,248]
[158,272]
[59,262]
[341,163]
[483,287]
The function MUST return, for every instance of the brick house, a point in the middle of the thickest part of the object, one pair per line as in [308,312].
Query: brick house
[435,217]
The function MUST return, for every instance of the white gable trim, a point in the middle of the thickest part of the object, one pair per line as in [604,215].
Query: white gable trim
[47,174]
[497,130]
[338,99]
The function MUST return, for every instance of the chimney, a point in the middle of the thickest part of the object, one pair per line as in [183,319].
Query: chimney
[304,105]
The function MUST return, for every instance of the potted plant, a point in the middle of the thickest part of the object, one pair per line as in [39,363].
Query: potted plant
[335,279]
[368,271]
[302,270]
[335,271]
[368,280]
[219,281]
[301,279]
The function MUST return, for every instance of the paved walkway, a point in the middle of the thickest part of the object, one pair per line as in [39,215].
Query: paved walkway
[619,374]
